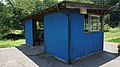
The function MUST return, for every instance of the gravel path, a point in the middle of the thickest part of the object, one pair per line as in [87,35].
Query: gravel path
[32,57]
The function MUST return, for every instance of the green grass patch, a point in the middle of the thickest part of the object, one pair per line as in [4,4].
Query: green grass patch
[117,40]
[111,35]
[11,43]
[114,33]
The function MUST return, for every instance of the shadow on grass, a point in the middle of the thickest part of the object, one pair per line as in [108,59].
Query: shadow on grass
[46,60]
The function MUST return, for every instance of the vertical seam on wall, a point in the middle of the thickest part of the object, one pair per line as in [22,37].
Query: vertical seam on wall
[69,38]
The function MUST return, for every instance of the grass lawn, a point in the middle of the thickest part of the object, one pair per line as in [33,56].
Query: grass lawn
[112,37]
[109,35]
[11,43]
[117,40]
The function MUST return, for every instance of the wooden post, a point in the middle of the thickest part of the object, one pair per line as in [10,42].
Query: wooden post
[102,23]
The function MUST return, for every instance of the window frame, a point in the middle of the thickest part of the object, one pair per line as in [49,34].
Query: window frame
[90,23]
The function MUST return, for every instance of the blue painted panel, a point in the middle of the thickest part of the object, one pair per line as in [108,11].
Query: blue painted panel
[56,34]
[93,42]
[77,36]
[83,44]
[29,32]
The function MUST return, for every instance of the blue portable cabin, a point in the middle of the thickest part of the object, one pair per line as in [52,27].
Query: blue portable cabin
[71,30]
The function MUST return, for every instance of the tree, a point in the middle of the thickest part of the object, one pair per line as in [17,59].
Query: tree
[114,15]
[6,25]
[9,16]
[9,19]
[40,5]
[112,19]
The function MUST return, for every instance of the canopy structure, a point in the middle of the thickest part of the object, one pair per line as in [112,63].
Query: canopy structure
[67,5]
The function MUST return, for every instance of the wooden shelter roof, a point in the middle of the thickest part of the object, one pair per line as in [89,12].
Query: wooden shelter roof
[66,5]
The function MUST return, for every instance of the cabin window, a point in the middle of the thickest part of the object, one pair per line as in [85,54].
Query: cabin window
[86,23]
[92,23]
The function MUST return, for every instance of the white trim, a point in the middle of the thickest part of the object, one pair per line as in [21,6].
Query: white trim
[90,22]
[95,15]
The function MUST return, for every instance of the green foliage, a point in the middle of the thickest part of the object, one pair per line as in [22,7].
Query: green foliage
[18,31]
[33,6]
[9,16]
[40,5]
[106,27]
[113,17]
[114,30]
[107,18]
[6,24]
[27,5]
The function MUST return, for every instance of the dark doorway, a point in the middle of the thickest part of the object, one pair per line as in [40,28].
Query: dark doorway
[38,33]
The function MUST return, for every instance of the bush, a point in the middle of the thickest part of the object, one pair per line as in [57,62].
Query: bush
[106,28]
[114,30]
[119,26]
[14,36]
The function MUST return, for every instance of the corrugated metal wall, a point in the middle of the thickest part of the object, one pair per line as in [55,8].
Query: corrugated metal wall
[29,32]
[83,43]
[77,36]
[93,42]
[56,34]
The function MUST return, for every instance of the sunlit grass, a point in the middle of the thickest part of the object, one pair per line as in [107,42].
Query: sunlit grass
[11,43]
[109,35]
[117,40]
[113,35]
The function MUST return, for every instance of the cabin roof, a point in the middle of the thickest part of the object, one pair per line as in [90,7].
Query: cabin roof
[66,5]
